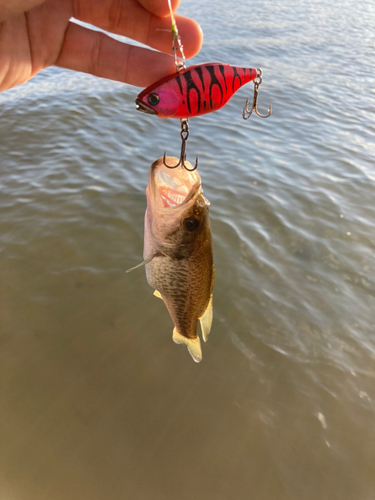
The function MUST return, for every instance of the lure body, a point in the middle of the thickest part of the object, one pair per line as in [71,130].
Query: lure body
[195,91]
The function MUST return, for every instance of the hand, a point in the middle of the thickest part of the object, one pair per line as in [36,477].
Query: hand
[35,34]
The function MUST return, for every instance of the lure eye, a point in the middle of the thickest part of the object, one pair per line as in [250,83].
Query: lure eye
[191,224]
[153,99]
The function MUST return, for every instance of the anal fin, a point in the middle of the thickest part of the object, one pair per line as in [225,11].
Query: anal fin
[206,320]
[193,345]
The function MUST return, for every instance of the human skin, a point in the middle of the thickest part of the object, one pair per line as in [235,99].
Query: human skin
[36,34]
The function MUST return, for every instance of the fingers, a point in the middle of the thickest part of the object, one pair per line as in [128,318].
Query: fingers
[131,19]
[93,52]
[11,8]
[159,35]
[159,8]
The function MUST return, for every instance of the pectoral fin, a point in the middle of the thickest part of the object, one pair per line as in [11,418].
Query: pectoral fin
[149,259]
[158,294]
[193,345]
[206,321]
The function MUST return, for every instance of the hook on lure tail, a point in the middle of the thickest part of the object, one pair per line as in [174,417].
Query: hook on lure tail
[184,138]
[246,113]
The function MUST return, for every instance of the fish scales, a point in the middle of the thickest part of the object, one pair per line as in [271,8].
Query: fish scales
[195,91]
[186,295]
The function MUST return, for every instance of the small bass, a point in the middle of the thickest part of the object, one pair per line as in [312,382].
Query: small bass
[195,91]
[178,250]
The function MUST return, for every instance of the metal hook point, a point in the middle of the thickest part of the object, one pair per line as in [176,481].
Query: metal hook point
[264,116]
[181,162]
[184,137]
[170,166]
[246,113]
[195,165]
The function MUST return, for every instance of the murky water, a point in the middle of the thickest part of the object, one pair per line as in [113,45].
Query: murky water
[96,401]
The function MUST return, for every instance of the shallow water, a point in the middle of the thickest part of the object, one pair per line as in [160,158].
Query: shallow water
[96,401]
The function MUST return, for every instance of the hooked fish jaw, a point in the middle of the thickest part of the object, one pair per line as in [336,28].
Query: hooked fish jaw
[171,194]
[171,189]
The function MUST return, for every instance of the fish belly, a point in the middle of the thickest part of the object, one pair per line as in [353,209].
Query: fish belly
[185,287]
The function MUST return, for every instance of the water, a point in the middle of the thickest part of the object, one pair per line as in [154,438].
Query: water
[96,401]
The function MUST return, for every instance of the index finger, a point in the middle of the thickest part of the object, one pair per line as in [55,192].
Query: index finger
[159,8]
[129,18]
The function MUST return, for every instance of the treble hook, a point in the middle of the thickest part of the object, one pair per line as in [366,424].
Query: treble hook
[255,100]
[177,46]
[184,137]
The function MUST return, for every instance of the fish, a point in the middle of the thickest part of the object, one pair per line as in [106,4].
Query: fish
[178,251]
[194,91]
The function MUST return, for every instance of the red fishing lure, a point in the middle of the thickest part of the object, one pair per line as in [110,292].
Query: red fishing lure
[195,91]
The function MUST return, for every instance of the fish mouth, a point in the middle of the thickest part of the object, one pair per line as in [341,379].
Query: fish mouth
[141,106]
[172,188]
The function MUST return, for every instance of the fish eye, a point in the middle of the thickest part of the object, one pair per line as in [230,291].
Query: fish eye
[191,224]
[153,99]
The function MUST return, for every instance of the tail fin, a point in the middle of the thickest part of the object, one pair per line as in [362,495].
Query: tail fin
[193,345]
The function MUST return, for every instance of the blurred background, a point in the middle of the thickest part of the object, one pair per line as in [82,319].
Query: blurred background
[96,401]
